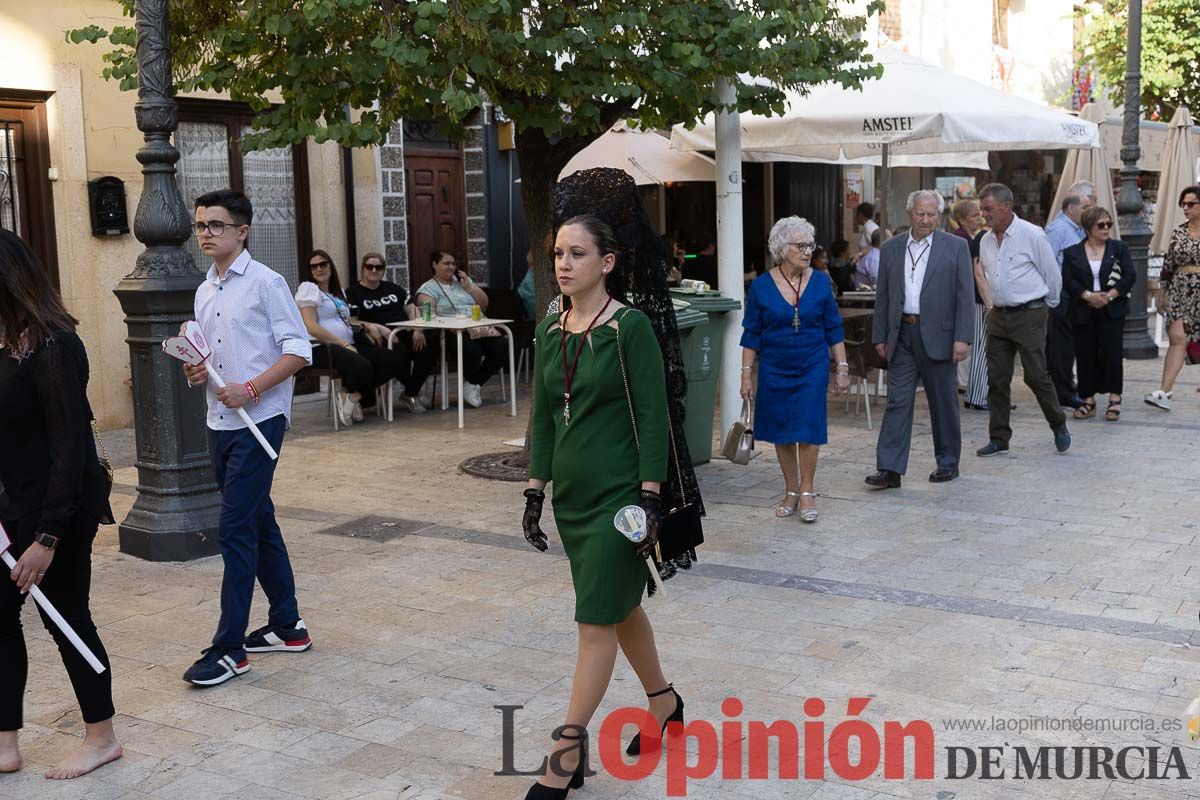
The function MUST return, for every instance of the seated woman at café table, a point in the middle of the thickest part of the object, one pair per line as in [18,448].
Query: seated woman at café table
[452,293]
[362,364]
[377,303]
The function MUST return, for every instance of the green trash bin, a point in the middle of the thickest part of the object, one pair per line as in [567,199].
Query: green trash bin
[701,336]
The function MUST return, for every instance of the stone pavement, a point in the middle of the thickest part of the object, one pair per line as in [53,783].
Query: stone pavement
[1034,586]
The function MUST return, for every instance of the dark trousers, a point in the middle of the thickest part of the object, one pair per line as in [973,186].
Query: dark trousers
[250,540]
[908,363]
[1011,333]
[413,366]
[66,585]
[482,358]
[366,369]
[1060,355]
[1100,353]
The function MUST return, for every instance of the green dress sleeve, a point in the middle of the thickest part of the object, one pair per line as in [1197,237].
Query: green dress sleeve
[648,393]
[542,433]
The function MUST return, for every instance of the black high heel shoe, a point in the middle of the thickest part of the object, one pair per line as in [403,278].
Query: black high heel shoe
[540,791]
[635,746]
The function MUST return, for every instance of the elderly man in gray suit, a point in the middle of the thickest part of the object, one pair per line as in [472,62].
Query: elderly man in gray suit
[923,326]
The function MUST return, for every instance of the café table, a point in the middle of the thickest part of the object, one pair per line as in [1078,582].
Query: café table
[458,325]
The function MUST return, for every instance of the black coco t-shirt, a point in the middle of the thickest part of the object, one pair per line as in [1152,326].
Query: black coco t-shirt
[380,305]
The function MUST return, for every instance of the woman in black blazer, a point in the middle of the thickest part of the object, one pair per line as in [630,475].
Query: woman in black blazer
[1098,275]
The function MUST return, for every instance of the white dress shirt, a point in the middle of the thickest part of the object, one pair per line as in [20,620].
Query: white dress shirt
[916,259]
[251,322]
[1021,268]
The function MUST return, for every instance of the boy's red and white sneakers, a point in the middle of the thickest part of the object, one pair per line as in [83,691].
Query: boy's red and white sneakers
[279,639]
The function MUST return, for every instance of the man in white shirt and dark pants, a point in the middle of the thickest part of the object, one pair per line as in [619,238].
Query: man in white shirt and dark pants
[1025,283]
[258,343]
[923,325]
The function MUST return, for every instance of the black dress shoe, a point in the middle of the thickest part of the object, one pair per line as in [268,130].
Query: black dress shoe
[884,479]
[943,474]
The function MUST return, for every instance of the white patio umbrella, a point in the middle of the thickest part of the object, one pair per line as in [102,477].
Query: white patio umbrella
[1178,171]
[1088,165]
[914,108]
[646,155]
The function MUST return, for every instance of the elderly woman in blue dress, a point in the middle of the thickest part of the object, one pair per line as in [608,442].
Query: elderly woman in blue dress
[791,325]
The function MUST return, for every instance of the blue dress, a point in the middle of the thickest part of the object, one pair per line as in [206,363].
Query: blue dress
[793,365]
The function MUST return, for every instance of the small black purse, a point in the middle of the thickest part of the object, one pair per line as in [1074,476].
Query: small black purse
[682,531]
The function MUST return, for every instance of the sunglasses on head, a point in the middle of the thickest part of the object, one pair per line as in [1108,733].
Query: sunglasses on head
[319,265]
[372,265]
[1104,225]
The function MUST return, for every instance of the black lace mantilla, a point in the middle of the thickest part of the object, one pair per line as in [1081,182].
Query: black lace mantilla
[640,281]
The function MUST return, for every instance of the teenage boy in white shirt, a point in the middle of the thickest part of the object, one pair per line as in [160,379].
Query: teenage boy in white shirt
[258,343]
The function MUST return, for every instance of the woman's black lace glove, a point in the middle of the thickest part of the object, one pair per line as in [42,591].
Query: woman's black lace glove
[534,498]
[651,503]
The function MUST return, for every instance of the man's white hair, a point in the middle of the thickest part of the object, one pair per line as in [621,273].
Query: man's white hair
[925,194]
[1082,189]
[784,232]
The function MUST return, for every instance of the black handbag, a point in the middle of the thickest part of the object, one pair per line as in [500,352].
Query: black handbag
[682,531]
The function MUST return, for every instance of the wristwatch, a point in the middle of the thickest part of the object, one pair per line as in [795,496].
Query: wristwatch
[46,540]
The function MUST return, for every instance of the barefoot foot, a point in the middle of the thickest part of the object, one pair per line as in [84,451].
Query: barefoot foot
[89,754]
[10,754]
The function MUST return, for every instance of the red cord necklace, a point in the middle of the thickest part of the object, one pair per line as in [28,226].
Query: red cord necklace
[795,303]
[569,374]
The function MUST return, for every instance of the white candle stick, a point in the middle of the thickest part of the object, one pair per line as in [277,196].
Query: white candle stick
[657,578]
[212,373]
[57,619]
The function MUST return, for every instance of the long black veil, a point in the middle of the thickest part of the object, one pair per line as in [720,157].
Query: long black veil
[640,281]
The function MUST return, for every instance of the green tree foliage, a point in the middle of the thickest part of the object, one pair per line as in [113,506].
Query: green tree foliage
[563,71]
[1170,51]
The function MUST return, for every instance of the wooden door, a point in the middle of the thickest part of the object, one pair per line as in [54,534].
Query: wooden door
[436,211]
[26,202]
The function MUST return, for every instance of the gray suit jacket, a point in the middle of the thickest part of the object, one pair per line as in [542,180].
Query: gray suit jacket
[947,296]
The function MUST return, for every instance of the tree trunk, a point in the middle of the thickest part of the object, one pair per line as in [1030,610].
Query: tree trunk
[541,162]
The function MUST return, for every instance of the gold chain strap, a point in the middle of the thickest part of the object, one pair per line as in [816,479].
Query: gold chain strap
[633,419]
[107,462]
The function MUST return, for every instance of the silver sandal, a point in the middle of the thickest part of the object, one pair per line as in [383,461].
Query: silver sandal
[808,514]
[784,510]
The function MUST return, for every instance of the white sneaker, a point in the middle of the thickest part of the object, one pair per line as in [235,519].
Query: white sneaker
[413,404]
[426,394]
[344,408]
[472,395]
[356,412]
[1160,399]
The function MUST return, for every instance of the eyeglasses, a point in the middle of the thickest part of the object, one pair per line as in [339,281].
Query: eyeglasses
[804,247]
[1189,204]
[214,228]
[372,265]
[1104,225]
[319,265]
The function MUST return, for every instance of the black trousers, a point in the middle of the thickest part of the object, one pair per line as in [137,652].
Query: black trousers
[366,369]
[66,585]
[1100,353]
[1060,354]
[415,366]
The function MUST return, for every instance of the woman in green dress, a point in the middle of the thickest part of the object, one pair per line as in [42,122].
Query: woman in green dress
[598,367]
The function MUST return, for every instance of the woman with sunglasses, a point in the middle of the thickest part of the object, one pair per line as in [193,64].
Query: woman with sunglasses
[362,364]
[377,303]
[1181,279]
[1098,275]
